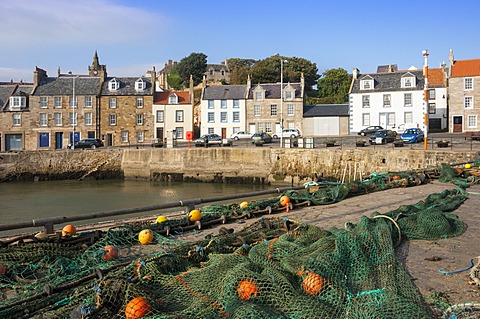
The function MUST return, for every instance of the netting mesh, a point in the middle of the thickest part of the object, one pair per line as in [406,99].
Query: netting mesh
[275,268]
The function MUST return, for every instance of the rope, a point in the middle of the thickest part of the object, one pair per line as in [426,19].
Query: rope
[394,222]
[456,271]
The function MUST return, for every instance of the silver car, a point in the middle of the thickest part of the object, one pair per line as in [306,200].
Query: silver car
[208,139]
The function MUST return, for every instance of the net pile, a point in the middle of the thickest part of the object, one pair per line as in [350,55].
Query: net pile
[275,268]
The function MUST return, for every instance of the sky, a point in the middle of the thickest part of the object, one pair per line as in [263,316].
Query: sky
[132,37]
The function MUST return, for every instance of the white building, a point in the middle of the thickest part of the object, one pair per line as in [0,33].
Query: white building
[173,114]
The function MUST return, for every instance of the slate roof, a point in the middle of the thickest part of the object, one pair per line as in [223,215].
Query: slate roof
[217,67]
[325,110]
[127,86]
[272,90]
[162,97]
[463,68]
[63,85]
[225,92]
[14,90]
[387,68]
[392,81]
[5,92]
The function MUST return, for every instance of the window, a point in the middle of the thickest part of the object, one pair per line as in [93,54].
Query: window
[18,102]
[211,117]
[44,102]
[468,84]
[88,118]
[43,119]
[57,102]
[273,109]
[139,119]
[236,104]
[113,102]
[112,119]
[260,126]
[140,136]
[140,85]
[58,119]
[139,102]
[179,132]
[290,125]
[468,102]
[159,116]
[173,99]
[73,118]
[391,118]
[17,119]
[407,99]
[408,81]
[113,85]
[258,96]
[386,100]
[366,84]
[365,101]
[236,117]
[88,101]
[211,104]
[179,116]
[124,136]
[235,129]
[472,121]
[288,95]
[365,119]
[431,94]
[268,127]
[256,110]
[432,109]
[223,117]
[223,104]
[72,102]
[408,117]
[290,109]
[211,130]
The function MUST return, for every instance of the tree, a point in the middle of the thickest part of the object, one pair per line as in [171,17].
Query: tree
[174,80]
[239,70]
[334,85]
[195,64]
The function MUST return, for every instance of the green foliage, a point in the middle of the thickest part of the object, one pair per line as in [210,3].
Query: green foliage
[334,83]
[239,70]
[195,64]
[174,79]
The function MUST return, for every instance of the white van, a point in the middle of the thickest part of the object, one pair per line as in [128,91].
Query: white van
[400,128]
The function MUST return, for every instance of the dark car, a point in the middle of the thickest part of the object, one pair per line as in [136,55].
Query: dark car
[383,137]
[88,143]
[208,139]
[369,130]
[412,135]
[262,136]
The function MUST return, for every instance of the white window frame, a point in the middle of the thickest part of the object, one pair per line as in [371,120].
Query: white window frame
[179,116]
[72,119]
[113,85]
[408,117]
[140,136]
[140,119]
[288,95]
[223,117]
[408,82]
[432,108]
[273,110]
[17,119]
[43,119]
[211,117]
[468,102]
[88,103]
[472,121]
[268,127]
[211,104]
[387,100]
[124,136]
[365,101]
[73,102]
[57,117]
[173,99]
[290,109]
[112,119]
[18,102]
[160,116]
[236,103]
[468,84]
[140,85]
[407,99]
[257,110]
[179,132]
[43,102]
[259,95]
[57,102]
[366,84]
[223,104]
[365,119]
[112,103]
[236,117]
[139,102]
[88,118]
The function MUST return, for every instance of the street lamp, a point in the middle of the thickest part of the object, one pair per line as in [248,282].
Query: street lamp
[73,112]
[281,102]
[425,98]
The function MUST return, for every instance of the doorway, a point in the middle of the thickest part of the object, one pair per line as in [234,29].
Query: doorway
[58,140]
[457,124]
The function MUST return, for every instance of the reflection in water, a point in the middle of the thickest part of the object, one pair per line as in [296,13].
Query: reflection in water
[26,201]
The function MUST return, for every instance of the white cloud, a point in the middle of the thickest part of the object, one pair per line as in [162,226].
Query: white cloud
[33,23]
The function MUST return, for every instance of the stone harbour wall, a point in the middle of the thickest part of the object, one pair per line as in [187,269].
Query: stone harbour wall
[220,164]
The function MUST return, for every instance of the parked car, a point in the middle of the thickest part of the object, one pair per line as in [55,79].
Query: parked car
[88,143]
[263,136]
[369,130]
[383,137]
[400,128]
[290,132]
[208,139]
[241,135]
[412,135]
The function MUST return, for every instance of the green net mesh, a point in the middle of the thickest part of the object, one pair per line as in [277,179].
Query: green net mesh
[275,268]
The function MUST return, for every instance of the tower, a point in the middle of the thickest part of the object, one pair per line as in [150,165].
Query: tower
[97,69]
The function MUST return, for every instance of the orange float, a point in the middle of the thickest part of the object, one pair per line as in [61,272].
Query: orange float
[110,253]
[145,237]
[246,289]
[137,308]
[68,230]
[313,284]
[284,200]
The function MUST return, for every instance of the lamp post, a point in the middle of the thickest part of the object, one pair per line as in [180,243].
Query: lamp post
[73,112]
[425,98]
[281,102]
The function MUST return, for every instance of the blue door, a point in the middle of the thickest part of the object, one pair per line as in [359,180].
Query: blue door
[77,137]
[58,140]
[44,139]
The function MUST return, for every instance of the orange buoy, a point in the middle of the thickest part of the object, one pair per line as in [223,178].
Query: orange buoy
[247,289]
[195,215]
[137,308]
[145,237]
[110,253]
[284,200]
[313,283]
[68,230]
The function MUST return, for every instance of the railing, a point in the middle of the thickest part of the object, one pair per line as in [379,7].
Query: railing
[190,204]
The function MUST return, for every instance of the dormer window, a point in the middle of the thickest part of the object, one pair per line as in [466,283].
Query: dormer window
[259,94]
[17,103]
[288,93]
[408,81]
[113,85]
[173,99]
[140,85]
[366,83]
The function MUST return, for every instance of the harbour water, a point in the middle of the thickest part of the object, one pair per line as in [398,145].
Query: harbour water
[23,202]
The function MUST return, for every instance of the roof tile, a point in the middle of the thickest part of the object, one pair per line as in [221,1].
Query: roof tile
[466,68]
